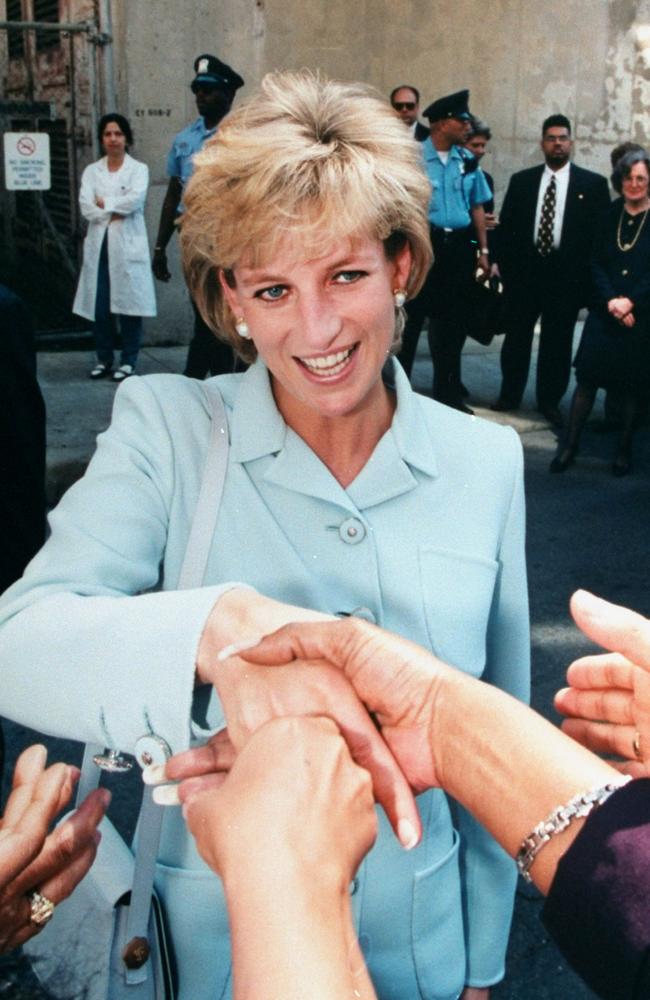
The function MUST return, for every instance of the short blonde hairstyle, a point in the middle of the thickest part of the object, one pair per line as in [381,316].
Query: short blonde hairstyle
[319,159]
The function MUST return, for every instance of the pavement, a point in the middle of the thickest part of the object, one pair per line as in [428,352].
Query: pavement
[585,529]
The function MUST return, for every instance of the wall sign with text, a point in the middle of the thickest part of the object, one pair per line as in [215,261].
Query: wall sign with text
[27,161]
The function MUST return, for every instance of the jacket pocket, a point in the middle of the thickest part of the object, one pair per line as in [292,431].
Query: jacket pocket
[136,248]
[437,934]
[457,591]
[195,915]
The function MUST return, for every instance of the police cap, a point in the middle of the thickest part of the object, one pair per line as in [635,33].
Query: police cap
[453,106]
[209,69]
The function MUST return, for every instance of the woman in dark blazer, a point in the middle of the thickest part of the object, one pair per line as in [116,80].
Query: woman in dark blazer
[615,348]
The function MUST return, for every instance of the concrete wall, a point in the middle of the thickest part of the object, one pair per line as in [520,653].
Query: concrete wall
[521,60]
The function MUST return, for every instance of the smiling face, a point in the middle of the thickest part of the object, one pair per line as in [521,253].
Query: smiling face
[635,185]
[323,327]
[114,140]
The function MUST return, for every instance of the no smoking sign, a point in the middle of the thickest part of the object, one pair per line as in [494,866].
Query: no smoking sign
[27,161]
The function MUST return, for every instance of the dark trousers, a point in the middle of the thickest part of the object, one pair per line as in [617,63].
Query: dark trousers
[548,297]
[207,354]
[444,301]
[104,325]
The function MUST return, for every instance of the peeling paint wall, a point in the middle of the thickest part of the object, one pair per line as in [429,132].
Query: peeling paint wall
[522,60]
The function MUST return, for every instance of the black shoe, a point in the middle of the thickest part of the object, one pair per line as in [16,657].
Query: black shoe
[552,414]
[503,406]
[563,460]
[101,370]
[461,407]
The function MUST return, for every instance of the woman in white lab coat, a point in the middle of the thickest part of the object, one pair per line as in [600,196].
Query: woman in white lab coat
[115,280]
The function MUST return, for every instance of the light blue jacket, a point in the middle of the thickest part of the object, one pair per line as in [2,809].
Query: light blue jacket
[429,537]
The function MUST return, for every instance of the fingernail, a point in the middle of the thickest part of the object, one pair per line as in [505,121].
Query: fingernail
[154,774]
[589,603]
[238,647]
[166,795]
[184,811]
[407,834]
[97,836]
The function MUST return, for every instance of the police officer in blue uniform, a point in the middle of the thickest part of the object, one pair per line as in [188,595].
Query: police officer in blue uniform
[214,85]
[457,221]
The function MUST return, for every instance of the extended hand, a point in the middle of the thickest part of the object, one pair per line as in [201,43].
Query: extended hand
[30,858]
[251,695]
[608,700]
[295,781]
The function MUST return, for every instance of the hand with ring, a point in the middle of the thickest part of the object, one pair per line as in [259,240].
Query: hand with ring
[39,869]
[607,703]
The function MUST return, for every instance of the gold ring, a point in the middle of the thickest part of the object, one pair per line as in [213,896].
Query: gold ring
[636,745]
[41,909]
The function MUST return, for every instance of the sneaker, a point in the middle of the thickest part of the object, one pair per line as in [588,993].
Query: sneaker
[101,370]
[123,372]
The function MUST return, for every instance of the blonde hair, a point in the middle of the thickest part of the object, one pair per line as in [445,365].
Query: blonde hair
[315,158]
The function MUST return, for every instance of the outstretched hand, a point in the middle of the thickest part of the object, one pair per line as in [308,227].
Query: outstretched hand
[607,701]
[31,859]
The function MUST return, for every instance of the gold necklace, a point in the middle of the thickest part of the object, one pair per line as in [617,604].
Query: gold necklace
[628,246]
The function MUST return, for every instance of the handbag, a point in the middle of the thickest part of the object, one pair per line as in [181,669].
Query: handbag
[108,940]
[485,310]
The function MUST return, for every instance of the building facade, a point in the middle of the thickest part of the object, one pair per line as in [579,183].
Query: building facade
[521,60]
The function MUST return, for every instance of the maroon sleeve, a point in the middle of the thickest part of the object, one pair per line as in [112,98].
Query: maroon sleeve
[598,908]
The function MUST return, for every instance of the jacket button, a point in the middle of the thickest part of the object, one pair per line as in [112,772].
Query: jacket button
[136,953]
[624,271]
[364,613]
[151,749]
[352,531]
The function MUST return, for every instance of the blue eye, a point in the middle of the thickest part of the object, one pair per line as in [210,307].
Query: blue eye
[271,294]
[348,277]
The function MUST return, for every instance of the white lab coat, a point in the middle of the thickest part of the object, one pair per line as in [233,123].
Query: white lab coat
[132,289]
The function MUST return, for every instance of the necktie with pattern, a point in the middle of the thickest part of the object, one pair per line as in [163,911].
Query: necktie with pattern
[547,220]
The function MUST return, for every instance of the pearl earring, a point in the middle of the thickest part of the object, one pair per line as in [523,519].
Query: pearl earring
[400,297]
[241,326]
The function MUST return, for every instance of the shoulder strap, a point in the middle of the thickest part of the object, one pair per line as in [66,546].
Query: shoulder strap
[192,574]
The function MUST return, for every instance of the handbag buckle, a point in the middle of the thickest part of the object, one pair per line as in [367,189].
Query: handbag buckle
[136,952]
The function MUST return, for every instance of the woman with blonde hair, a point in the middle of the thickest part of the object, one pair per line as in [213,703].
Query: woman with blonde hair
[305,232]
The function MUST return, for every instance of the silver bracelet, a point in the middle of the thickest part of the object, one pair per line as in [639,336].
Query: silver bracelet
[557,821]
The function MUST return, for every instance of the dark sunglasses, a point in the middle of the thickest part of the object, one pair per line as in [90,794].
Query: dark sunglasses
[404,105]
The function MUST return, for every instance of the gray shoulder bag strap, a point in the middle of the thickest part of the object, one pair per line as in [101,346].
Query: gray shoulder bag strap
[192,574]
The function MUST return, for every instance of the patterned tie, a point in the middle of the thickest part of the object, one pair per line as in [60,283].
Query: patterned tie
[547,220]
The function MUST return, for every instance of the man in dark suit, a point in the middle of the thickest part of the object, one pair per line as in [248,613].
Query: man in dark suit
[548,220]
[405,99]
